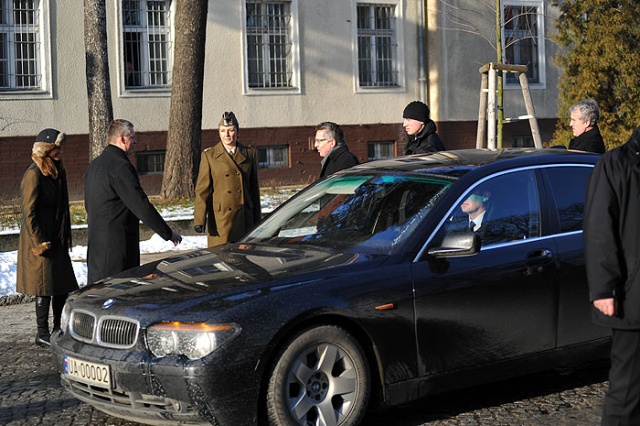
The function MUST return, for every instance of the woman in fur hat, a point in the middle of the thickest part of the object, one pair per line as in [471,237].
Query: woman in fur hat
[44,266]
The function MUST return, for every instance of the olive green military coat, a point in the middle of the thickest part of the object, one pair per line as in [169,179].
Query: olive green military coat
[227,196]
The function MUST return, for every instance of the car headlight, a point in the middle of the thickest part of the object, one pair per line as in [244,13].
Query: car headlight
[193,340]
[66,314]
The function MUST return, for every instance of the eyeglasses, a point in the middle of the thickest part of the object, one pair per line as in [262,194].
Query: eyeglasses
[317,141]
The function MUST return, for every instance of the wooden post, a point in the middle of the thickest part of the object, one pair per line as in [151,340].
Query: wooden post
[533,122]
[482,113]
[491,109]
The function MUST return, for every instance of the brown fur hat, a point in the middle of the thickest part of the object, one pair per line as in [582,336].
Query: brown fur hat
[46,141]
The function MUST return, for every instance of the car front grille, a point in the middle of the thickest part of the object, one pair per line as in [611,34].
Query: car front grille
[139,407]
[108,331]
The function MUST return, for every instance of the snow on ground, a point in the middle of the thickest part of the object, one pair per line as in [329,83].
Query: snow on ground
[8,260]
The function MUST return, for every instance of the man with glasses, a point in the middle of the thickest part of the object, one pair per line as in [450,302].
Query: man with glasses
[332,148]
[115,204]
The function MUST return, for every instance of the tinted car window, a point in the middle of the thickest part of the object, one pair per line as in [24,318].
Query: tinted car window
[512,209]
[371,213]
[568,189]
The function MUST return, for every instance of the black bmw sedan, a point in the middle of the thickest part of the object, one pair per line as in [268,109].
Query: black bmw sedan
[376,286]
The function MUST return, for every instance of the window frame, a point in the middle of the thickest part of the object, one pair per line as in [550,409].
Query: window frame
[147,155]
[541,58]
[269,151]
[294,61]
[398,6]
[144,91]
[377,144]
[45,91]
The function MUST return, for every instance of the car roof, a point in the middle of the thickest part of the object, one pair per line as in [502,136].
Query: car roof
[469,159]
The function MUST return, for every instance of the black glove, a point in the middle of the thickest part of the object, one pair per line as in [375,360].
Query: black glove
[199,229]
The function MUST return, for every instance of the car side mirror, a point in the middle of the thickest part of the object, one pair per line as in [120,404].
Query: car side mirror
[457,244]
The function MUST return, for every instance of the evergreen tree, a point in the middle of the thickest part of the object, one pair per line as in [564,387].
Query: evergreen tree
[600,47]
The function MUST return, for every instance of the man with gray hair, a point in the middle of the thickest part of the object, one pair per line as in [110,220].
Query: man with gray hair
[332,148]
[115,204]
[584,124]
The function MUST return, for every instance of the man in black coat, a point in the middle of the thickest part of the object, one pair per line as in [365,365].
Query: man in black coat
[612,256]
[584,116]
[332,148]
[115,203]
[421,130]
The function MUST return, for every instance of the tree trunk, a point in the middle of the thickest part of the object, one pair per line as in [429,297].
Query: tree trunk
[185,120]
[98,84]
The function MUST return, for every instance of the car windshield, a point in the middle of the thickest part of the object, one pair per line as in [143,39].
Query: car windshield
[363,213]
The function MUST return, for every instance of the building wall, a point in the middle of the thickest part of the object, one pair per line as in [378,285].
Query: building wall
[304,167]
[327,89]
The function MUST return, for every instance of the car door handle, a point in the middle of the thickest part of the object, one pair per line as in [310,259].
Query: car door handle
[537,261]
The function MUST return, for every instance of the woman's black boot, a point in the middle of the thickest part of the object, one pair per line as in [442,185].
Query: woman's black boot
[58,305]
[42,320]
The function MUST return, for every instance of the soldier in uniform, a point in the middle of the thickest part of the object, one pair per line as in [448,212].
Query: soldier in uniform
[227,199]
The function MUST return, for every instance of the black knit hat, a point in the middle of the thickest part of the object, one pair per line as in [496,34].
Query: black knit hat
[417,110]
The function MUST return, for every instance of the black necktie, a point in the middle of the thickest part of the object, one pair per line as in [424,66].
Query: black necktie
[471,225]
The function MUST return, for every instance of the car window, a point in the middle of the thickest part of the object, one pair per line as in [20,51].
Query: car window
[372,214]
[568,189]
[510,209]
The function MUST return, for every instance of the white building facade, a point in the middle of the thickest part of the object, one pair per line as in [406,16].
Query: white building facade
[281,66]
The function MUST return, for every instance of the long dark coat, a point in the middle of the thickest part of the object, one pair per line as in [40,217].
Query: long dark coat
[227,195]
[590,141]
[339,158]
[115,203]
[611,234]
[45,218]
[426,141]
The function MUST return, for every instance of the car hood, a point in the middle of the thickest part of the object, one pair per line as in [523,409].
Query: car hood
[209,279]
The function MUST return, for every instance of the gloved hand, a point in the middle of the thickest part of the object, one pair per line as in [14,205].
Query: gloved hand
[199,229]
[41,248]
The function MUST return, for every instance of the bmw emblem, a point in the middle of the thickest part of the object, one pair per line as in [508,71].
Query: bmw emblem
[107,303]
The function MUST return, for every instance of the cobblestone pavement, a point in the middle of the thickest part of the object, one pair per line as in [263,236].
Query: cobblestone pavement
[31,394]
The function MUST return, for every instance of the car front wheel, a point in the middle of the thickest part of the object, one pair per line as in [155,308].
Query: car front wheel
[321,378]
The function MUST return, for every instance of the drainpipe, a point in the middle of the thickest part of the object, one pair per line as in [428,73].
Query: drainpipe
[422,80]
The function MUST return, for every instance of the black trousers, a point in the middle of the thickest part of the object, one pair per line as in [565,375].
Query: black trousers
[622,401]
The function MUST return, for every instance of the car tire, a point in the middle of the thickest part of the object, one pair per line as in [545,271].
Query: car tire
[320,377]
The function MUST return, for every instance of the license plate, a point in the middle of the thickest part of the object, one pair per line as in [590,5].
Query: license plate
[90,373]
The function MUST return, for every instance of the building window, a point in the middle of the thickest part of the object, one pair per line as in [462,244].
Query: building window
[378,150]
[147,44]
[524,38]
[20,45]
[150,162]
[271,36]
[377,45]
[273,156]
[523,141]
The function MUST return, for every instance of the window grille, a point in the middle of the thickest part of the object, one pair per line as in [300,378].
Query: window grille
[521,40]
[377,45]
[20,44]
[146,28]
[150,162]
[269,55]
[377,150]
[273,156]
[525,141]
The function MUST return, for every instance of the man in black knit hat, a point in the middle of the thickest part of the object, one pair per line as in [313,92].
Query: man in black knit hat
[422,132]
